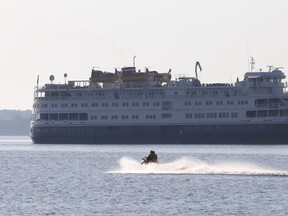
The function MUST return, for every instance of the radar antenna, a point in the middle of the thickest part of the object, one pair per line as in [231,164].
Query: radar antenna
[270,67]
[65,76]
[51,78]
[277,68]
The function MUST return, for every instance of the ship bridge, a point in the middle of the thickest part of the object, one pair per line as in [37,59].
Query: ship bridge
[262,82]
[273,76]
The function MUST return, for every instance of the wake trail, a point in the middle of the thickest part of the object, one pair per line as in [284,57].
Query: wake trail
[187,165]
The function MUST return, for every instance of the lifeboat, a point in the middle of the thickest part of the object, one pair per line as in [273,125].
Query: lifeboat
[129,74]
[100,76]
[162,77]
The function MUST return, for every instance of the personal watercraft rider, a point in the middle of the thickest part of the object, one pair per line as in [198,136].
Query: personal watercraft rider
[152,158]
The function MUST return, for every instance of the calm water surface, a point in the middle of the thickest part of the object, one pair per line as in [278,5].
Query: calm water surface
[108,180]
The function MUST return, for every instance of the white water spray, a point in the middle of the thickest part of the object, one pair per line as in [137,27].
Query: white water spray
[187,165]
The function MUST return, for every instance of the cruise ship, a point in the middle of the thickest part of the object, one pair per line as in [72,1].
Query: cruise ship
[147,107]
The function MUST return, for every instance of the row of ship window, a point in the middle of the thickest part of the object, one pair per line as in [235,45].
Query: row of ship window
[212,115]
[62,116]
[136,104]
[266,113]
[130,93]
[210,103]
[104,104]
[140,93]
[213,92]
[84,116]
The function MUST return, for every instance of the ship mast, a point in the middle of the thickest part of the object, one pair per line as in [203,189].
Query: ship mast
[134,61]
[252,63]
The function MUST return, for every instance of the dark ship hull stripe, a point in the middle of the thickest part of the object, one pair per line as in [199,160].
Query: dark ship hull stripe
[188,134]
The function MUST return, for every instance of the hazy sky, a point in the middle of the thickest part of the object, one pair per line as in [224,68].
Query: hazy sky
[70,36]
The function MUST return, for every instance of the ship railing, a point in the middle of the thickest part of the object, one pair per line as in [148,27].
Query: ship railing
[269,105]
[273,105]
[283,102]
[53,98]
[39,98]
[38,87]
[285,87]
[283,105]
[132,97]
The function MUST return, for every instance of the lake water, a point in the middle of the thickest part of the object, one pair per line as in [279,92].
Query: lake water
[109,180]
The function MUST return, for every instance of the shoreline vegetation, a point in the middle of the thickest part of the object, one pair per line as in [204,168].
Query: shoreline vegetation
[15,122]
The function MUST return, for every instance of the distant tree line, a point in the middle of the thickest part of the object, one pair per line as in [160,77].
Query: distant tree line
[15,122]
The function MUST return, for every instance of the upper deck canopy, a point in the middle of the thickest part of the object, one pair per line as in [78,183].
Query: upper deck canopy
[275,74]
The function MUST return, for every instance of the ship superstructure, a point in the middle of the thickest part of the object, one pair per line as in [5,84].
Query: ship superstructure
[134,107]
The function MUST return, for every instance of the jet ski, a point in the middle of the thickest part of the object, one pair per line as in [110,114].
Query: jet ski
[145,161]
